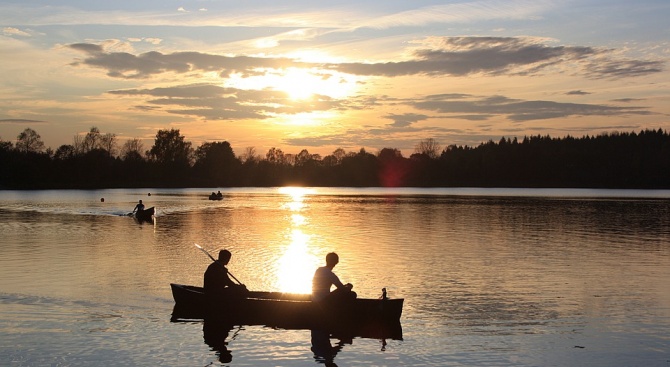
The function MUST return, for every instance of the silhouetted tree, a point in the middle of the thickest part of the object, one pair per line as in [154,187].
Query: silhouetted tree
[64,152]
[612,160]
[215,163]
[132,150]
[172,156]
[250,156]
[393,168]
[171,148]
[5,145]
[359,169]
[428,147]
[29,141]
[275,156]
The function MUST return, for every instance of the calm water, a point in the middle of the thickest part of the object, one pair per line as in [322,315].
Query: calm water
[490,277]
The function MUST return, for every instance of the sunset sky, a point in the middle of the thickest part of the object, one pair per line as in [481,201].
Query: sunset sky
[325,75]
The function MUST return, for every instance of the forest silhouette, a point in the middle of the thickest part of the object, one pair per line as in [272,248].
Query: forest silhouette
[624,160]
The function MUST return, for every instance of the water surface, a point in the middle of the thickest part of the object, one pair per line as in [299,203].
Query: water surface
[495,277]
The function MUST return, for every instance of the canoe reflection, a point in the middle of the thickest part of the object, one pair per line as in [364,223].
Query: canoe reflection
[324,351]
[217,335]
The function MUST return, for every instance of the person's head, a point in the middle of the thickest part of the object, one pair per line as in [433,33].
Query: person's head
[332,259]
[140,201]
[224,256]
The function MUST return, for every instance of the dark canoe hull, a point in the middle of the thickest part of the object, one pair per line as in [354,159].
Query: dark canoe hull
[365,317]
[215,197]
[146,215]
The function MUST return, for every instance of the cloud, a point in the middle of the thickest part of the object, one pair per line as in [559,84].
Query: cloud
[212,102]
[627,100]
[20,121]
[623,68]
[405,119]
[447,56]
[462,56]
[128,66]
[515,109]
[11,31]
[464,12]
[577,93]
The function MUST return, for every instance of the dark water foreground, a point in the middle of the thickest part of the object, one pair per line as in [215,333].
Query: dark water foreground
[489,277]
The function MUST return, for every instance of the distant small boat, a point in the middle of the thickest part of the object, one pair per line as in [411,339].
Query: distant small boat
[214,196]
[289,311]
[145,215]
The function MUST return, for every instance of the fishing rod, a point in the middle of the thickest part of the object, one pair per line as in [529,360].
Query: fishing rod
[213,259]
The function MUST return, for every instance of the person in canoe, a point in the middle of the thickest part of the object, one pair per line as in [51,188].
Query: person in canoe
[139,207]
[324,279]
[217,282]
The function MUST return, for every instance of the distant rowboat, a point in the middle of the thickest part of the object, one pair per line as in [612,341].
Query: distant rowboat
[145,215]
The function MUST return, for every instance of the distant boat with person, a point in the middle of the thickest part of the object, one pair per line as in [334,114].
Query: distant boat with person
[145,215]
[216,196]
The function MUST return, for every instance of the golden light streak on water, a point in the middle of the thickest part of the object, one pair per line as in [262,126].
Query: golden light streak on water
[296,266]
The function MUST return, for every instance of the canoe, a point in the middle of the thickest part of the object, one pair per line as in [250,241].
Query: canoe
[145,215]
[287,310]
[215,197]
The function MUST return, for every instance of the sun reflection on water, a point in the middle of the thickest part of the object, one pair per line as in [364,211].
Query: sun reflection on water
[297,195]
[297,265]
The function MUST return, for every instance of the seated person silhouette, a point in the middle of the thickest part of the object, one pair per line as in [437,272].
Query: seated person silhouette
[217,283]
[324,278]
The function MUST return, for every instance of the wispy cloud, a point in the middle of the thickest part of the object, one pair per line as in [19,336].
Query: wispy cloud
[213,102]
[577,93]
[405,119]
[296,14]
[465,12]
[11,31]
[20,121]
[517,110]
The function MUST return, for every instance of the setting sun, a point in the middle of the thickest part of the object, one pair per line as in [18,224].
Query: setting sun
[299,83]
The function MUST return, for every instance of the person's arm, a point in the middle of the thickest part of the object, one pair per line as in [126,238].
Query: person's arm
[335,280]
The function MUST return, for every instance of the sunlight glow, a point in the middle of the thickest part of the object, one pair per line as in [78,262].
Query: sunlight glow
[297,195]
[299,83]
[298,220]
[308,119]
[297,266]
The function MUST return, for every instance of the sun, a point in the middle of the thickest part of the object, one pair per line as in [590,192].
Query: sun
[299,84]
[304,83]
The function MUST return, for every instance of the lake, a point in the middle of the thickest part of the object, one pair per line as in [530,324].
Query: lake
[490,277]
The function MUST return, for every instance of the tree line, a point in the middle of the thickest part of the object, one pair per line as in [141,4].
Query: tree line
[95,160]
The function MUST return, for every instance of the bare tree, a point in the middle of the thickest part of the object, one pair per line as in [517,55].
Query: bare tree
[275,156]
[91,140]
[428,147]
[132,149]
[250,155]
[108,143]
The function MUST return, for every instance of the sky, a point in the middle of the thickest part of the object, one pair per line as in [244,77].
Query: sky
[320,76]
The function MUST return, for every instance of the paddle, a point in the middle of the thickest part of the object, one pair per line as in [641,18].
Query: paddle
[213,259]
